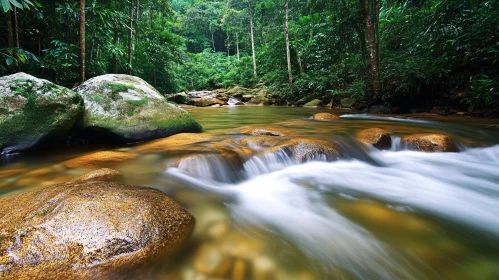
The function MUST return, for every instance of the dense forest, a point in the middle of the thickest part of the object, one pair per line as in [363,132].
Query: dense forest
[406,53]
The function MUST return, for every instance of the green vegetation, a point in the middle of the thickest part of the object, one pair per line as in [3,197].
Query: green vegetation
[142,102]
[404,53]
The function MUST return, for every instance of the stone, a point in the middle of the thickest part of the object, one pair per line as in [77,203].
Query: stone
[262,131]
[98,159]
[12,172]
[172,142]
[88,230]
[206,102]
[246,97]
[259,142]
[429,143]
[103,174]
[377,137]
[123,109]
[313,103]
[490,127]
[325,117]
[305,149]
[35,113]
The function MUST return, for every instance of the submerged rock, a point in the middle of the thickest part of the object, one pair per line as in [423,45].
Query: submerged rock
[103,174]
[89,230]
[98,159]
[173,142]
[122,108]
[429,143]
[35,113]
[262,131]
[325,117]
[377,137]
[304,149]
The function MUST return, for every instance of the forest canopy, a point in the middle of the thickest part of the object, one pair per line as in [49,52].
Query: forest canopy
[388,52]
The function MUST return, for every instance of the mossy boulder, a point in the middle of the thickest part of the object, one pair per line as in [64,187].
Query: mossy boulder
[123,108]
[90,230]
[259,100]
[313,103]
[35,113]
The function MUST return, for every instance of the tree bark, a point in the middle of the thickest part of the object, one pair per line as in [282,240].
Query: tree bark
[16,28]
[252,38]
[130,39]
[298,57]
[237,46]
[288,52]
[371,14]
[10,30]
[82,41]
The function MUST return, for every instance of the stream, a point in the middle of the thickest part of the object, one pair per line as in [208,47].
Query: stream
[370,214]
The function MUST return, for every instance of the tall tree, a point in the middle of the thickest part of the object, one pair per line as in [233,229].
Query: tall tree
[288,52]
[82,40]
[130,38]
[370,9]
[250,9]
[10,30]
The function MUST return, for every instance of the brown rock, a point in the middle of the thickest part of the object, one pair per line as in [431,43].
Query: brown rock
[304,149]
[98,159]
[429,143]
[377,137]
[103,174]
[260,141]
[262,131]
[205,102]
[87,230]
[325,117]
[172,142]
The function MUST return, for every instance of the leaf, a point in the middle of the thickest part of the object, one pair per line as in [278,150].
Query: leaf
[6,5]
[9,61]
[15,3]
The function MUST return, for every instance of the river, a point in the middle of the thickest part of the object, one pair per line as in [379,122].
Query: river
[370,214]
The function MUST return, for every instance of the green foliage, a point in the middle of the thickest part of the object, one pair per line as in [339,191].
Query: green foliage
[141,102]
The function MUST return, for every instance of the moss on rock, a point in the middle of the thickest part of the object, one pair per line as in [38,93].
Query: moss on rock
[35,112]
[122,108]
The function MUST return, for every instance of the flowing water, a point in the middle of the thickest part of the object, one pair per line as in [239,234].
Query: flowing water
[369,214]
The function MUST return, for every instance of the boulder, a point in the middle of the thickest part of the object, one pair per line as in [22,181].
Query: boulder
[304,149]
[98,159]
[325,117]
[377,137]
[313,103]
[246,97]
[179,98]
[429,143]
[91,230]
[205,102]
[35,113]
[259,100]
[122,108]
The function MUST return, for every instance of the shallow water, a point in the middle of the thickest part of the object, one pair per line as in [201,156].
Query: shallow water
[371,214]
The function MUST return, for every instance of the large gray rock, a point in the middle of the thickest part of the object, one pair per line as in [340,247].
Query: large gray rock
[122,108]
[35,112]
[87,230]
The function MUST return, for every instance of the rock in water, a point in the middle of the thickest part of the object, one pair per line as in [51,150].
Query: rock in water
[122,108]
[87,231]
[325,117]
[377,137]
[35,113]
[429,143]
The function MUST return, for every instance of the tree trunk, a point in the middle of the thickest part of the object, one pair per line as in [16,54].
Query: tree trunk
[298,57]
[130,39]
[252,38]
[213,41]
[16,28]
[10,30]
[288,52]
[82,41]
[237,46]
[371,14]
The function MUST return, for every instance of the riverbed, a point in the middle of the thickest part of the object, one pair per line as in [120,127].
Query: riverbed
[370,214]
